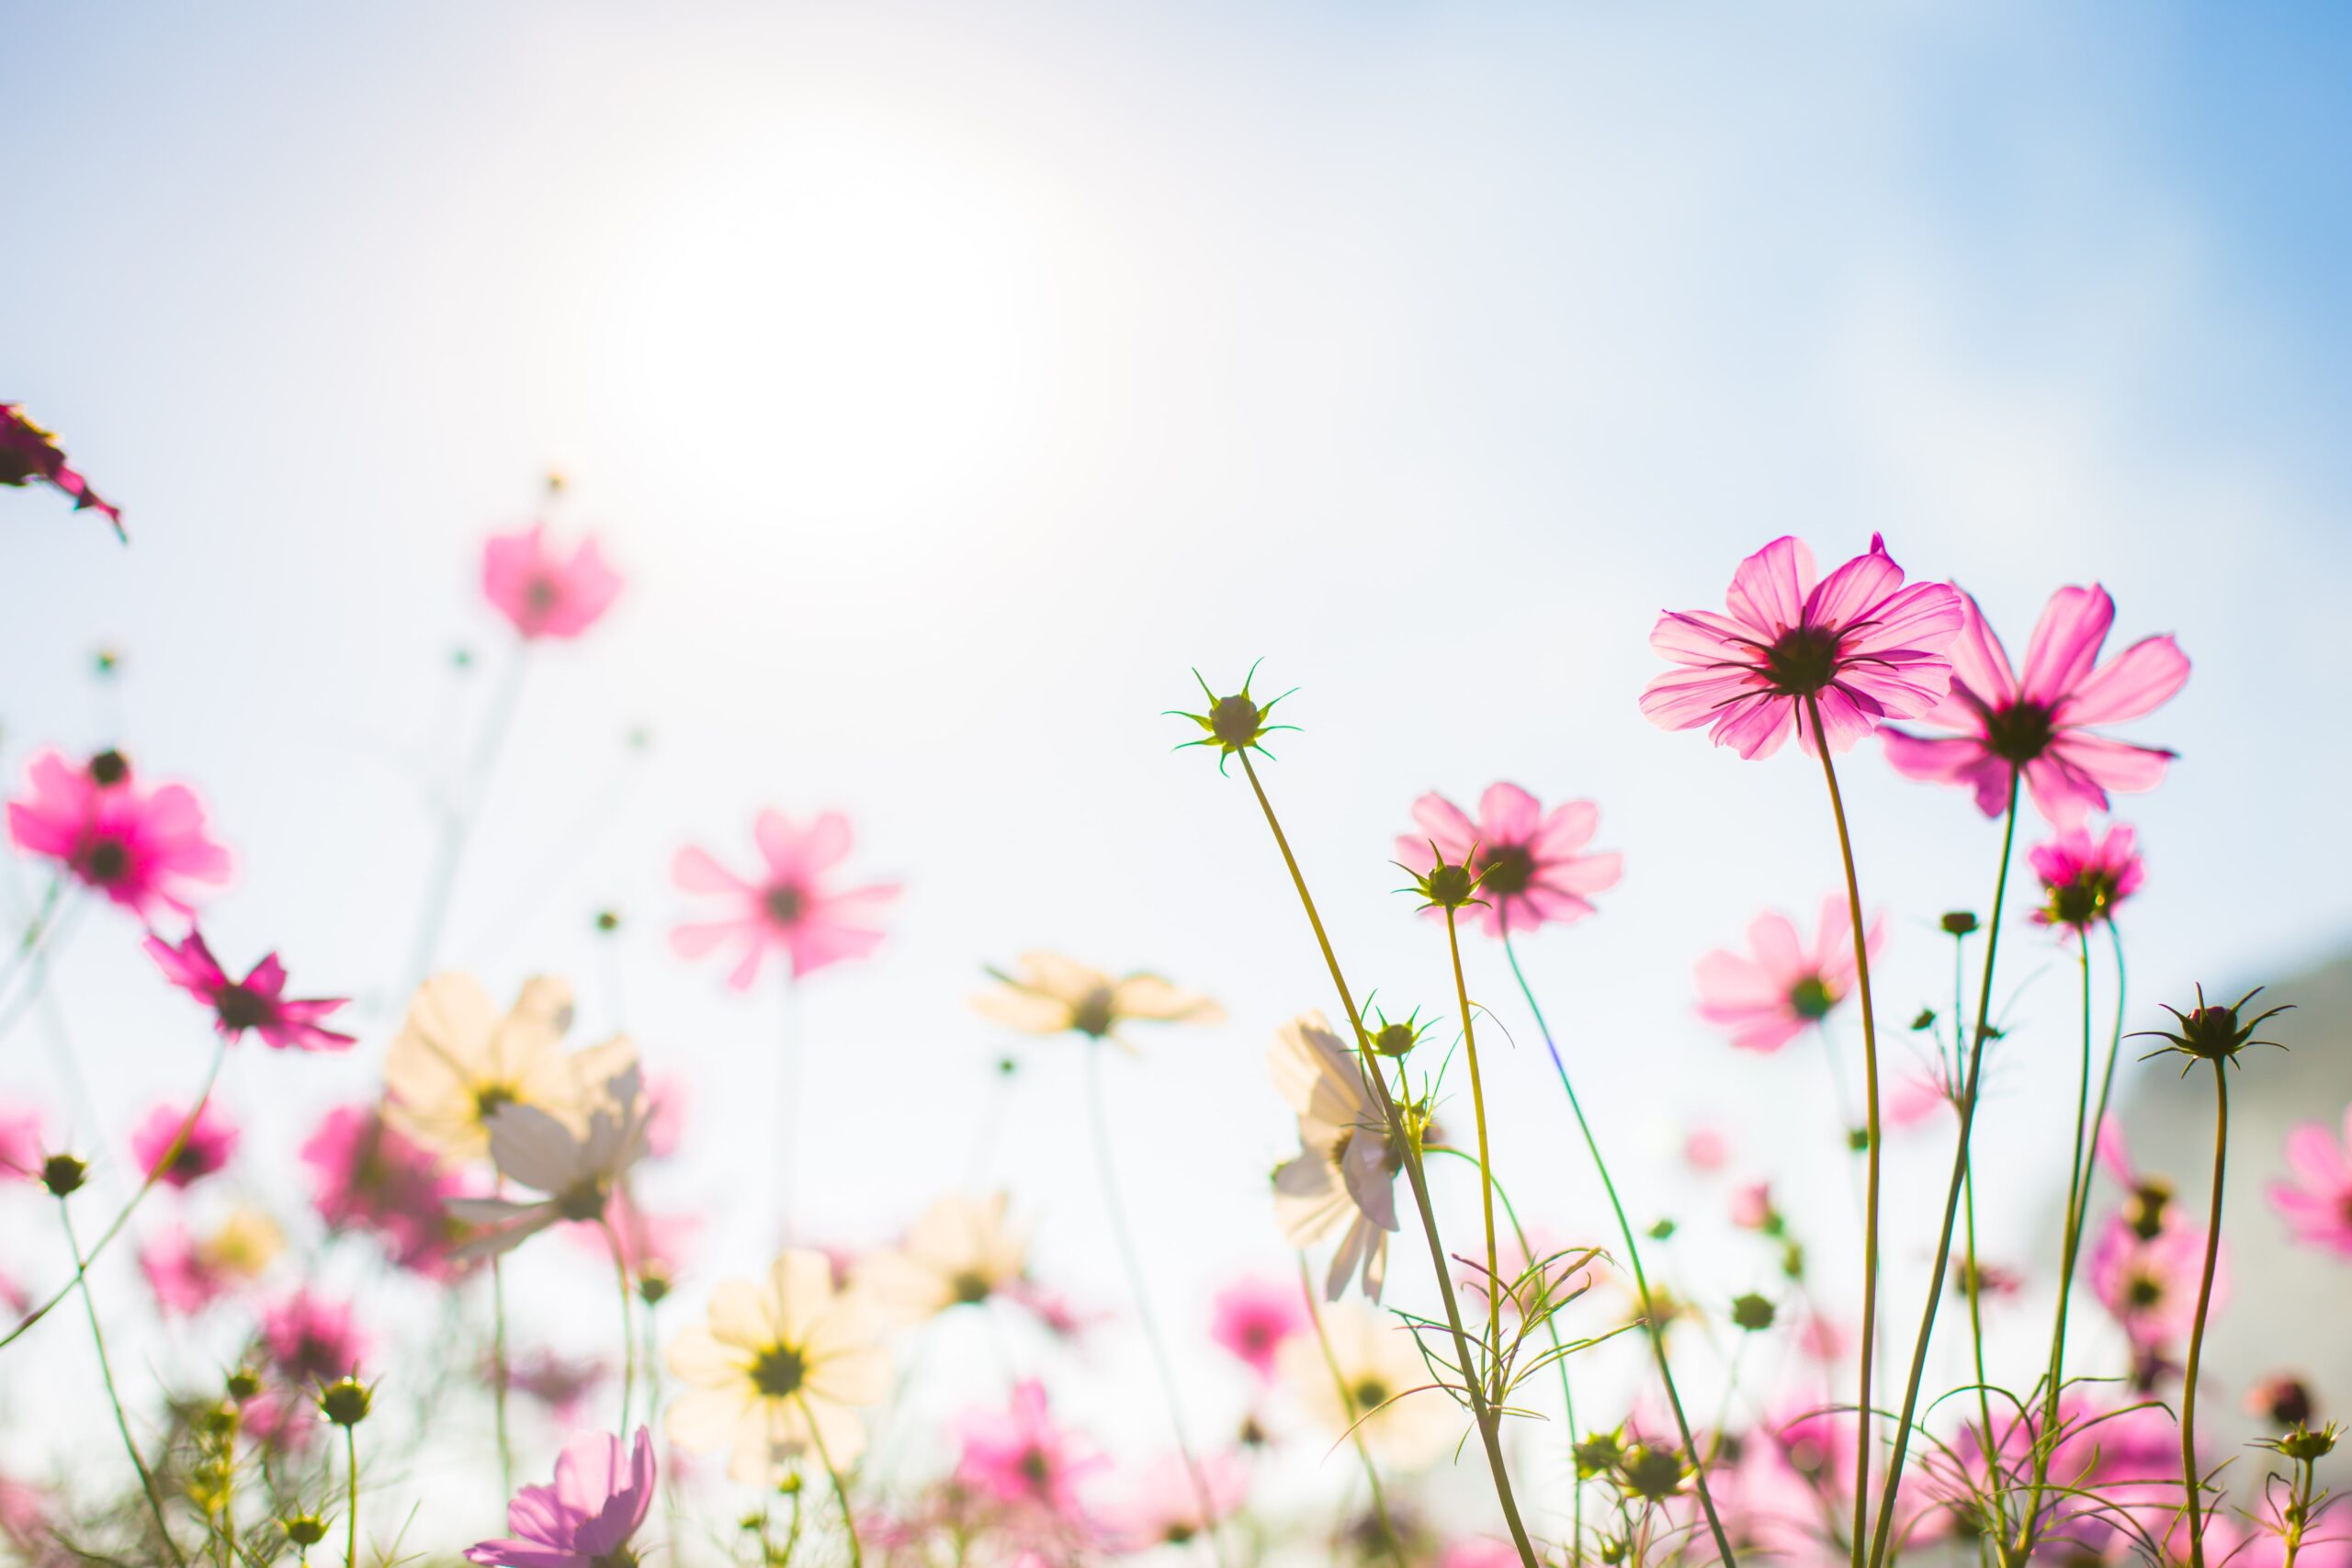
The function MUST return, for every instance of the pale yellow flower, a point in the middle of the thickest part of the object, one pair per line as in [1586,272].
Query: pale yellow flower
[244,1245]
[1377,1362]
[457,1060]
[962,1251]
[779,1372]
[1053,995]
[1342,1184]
[576,1170]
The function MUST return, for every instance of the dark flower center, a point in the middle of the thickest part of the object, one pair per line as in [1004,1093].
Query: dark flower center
[2017,732]
[106,862]
[2083,899]
[583,1202]
[1094,1013]
[240,1009]
[542,594]
[488,1098]
[1507,868]
[1807,1457]
[1803,661]
[779,1371]
[2144,1291]
[785,903]
[108,768]
[2145,1209]
[1036,1468]
[969,1287]
[1370,1394]
[1810,999]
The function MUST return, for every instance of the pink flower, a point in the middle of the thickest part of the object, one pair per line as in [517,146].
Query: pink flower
[1706,1150]
[2317,1205]
[1917,1094]
[1858,643]
[143,848]
[560,1382]
[367,1175]
[2149,1282]
[161,1150]
[543,591]
[788,905]
[1767,1000]
[653,1246]
[184,1280]
[1019,1456]
[1254,1320]
[1751,1207]
[1528,870]
[2084,878]
[586,1518]
[256,1002]
[1161,1508]
[22,1147]
[1487,1553]
[29,453]
[2039,722]
[311,1340]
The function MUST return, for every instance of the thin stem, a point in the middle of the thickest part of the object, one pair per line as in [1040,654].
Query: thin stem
[1974,1263]
[114,1399]
[1980,1030]
[1862,1410]
[1486,1161]
[840,1492]
[2045,1442]
[1348,1409]
[1655,1329]
[2107,1083]
[629,1335]
[1490,1439]
[1108,1176]
[2188,1477]
[351,1521]
[500,1376]
[458,820]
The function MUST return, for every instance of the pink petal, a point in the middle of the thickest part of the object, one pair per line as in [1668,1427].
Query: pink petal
[1508,815]
[1849,593]
[1729,983]
[1443,821]
[1567,830]
[2137,681]
[1978,660]
[694,871]
[1758,728]
[1779,951]
[1585,874]
[1685,699]
[1701,637]
[2316,1160]
[2065,643]
[1768,590]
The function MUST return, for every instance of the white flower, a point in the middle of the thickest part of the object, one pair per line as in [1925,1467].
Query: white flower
[960,1252]
[577,1169]
[457,1061]
[1378,1361]
[1053,995]
[1343,1183]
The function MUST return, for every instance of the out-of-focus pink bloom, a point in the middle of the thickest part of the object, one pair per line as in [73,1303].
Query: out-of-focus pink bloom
[184,1280]
[143,847]
[257,1002]
[1161,1508]
[365,1176]
[13,1295]
[666,1095]
[599,1500]
[312,1339]
[1768,999]
[2041,721]
[541,590]
[1487,1553]
[1253,1318]
[791,904]
[1917,1095]
[21,1143]
[2129,1457]
[29,453]
[1706,1148]
[1822,1339]
[1018,1455]
[560,1382]
[24,1511]
[1055,1313]
[1529,869]
[1857,643]
[653,1246]
[1751,1206]
[2317,1204]
[2148,1283]
[2083,878]
[209,1142]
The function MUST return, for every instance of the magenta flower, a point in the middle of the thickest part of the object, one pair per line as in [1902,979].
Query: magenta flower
[162,1152]
[1858,643]
[22,1145]
[541,590]
[1254,1318]
[185,1280]
[312,1339]
[367,1175]
[562,1383]
[2083,878]
[2149,1282]
[143,848]
[257,1002]
[584,1520]
[789,905]
[2039,722]
[1161,1508]
[29,453]
[1019,1456]
[1486,1552]
[1766,1001]
[1528,870]
[1751,1206]
[2317,1204]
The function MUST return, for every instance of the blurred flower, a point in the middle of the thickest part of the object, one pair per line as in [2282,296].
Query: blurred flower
[1343,1182]
[1254,1318]
[1484,1553]
[1751,1207]
[790,905]
[2150,1283]
[367,1175]
[1052,995]
[29,453]
[1019,1456]
[22,1147]
[542,590]
[2282,1400]
[577,1169]
[780,1369]
[1768,999]
[1377,1362]
[1706,1148]
[2084,878]
[456,1062]
[256,1002]
[184,1280]
[599,1500]
[1528,868]
[1160,1506]
[653,1246]
[1858,643]
[559,1381]
[959,1253]
[144,849]
[2039,722]
[2317,1204]
[311,1340]
[161,1149]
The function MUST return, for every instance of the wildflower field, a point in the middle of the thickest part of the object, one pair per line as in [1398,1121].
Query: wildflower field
[597,1033]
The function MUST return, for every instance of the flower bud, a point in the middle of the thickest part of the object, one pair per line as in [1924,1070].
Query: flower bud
[304,1529]
[2309,1443]
[345,1402]
[1656,1473]
[1597,1454]
[109,768]
[243,1384]
[1752,1312]
[1959,922]
[63,1175]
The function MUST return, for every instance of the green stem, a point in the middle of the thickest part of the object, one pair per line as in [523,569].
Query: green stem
[840,1492]
[1485,1160]
[499,1375]
[2045,1442]
[351,1522]
[1489,1438]
[114,1399]
[2204,1303]
[628,1333]
[1974,1263]
[1980,1030]
[1348,1409]
[1655,1329]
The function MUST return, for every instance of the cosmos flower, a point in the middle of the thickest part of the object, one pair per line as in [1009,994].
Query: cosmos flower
[1342,1184]
[781,1369]
[1019,1456]
[1160,1507]
[599,1500]
[789,905]
[2083,878]
[543,591]
[1049,994]
[257,1002]
[29,453]
[1527,863]
[2149,1282]
[311,1340]
[22,1144]
[145,848]
[959,1253]
[163,1151]
[560,1382]
[1768,999]
[188,1273]
[457,1061]
[2039,722]
[1858,643]
[366,1175]
[653,1246]
[1254,1318]
[576,1170]
[1378,1363]
[2317,1204]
